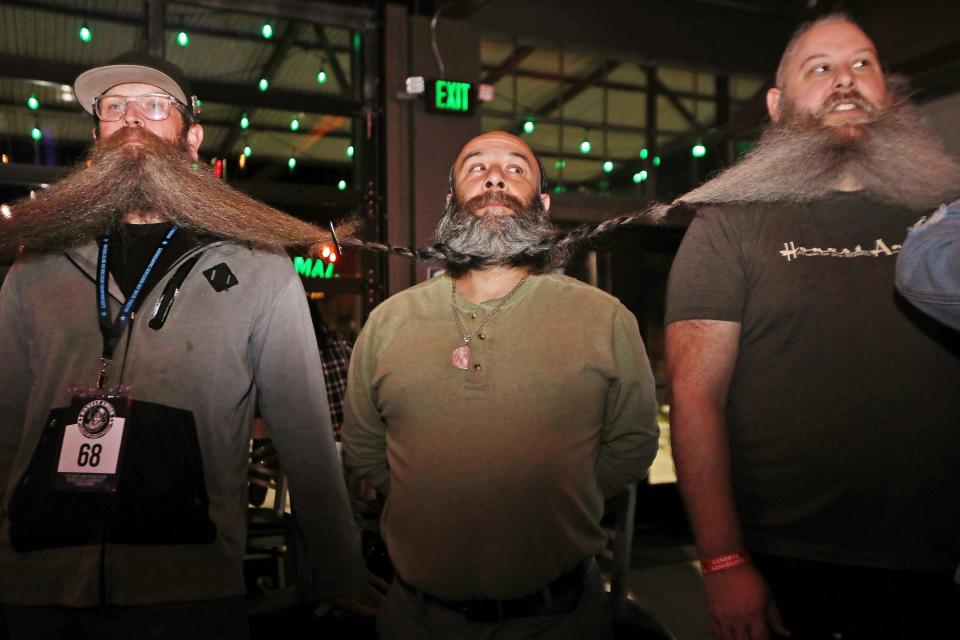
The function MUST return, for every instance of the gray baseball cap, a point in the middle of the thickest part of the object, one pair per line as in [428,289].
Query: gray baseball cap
[134,67]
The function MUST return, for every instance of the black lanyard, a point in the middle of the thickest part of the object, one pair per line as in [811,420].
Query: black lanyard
[113,331]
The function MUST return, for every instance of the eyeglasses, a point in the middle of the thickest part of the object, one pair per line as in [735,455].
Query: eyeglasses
[153,106]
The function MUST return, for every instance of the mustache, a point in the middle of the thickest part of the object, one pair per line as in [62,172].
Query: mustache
[489,198]
[134,170]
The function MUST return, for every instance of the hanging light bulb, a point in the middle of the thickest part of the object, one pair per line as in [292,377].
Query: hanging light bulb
[607,166]
[294,124]
[350,151]
[36,133]
[529,126]
[342,185]
[322,77]
[585,145]
[32,102]
[264,84]
[85,34]
[292,163]
[247,151]
[183,39]
[244,121]
[266,30]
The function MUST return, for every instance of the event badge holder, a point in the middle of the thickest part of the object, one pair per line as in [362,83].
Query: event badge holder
[91,447]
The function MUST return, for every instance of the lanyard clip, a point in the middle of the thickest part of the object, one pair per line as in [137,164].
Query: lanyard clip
[102,378]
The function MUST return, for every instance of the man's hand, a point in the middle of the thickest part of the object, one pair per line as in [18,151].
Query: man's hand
[363,604]
[741,606]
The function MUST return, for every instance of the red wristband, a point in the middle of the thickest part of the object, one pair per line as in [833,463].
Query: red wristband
[724,562]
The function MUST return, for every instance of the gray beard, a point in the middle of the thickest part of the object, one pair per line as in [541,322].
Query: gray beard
[895,159]
[521,239]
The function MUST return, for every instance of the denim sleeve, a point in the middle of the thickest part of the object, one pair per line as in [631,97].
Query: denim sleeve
[928,267]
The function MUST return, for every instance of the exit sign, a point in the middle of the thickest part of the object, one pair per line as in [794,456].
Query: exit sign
[451,96]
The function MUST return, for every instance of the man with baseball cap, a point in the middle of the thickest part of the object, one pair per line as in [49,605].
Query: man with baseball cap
[149,310]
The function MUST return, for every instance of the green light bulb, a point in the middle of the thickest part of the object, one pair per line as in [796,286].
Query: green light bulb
[183,39]
[322,77]
[350,151]
[656,161]
[292,163]
[607,166]
[32,102]
[35,133]
[247,151]
[698,151]
[244,121]
[266,30]
[528,127]
[342,185]
[294,124]
[85,34]
[585,146]
[264,84]
[644,153]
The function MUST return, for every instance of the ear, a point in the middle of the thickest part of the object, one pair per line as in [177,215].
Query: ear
[545,199]
[773,102]
[194,139]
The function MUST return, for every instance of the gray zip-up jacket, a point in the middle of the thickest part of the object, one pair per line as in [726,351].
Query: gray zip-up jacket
[176,528]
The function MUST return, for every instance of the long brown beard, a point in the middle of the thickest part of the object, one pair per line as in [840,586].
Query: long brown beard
[894,157]
[149,176]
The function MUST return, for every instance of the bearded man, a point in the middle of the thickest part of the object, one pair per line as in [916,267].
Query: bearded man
[149,291]
[496,407]
[814,416]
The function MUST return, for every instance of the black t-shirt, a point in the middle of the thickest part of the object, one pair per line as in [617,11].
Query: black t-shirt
[133,245]
[844,406]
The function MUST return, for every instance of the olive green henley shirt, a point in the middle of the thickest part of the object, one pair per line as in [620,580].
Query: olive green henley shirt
[498,473]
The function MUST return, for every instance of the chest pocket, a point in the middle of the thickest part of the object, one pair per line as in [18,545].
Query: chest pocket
[161,496]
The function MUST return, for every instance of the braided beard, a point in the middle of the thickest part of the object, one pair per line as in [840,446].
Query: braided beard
[134,170]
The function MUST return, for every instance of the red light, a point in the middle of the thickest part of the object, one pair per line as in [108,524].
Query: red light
[325,252]
[218,168]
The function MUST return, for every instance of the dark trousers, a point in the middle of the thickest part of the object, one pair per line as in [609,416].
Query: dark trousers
[828,601]
[224,619]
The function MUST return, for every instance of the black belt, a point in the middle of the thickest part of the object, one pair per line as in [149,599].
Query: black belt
[560,596]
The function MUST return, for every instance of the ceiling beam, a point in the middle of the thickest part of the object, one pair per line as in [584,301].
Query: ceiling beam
[171,23]
[342,81]
[585,82]
[508,66]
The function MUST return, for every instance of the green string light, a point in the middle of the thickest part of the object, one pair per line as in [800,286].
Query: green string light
[294,124]
[36,133]
[247,151]
[183,39]
[639,177]
[264,84]
[644,153]
[607,166]
[85,34]
[585,146]
[350,151]
[244,121]
[656,161]
[292,163]
[266,30]
[32,102]
[342,185]
[529,127]
[698,151]
[322,77]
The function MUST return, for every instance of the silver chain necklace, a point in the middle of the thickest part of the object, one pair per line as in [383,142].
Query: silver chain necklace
[461,355]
